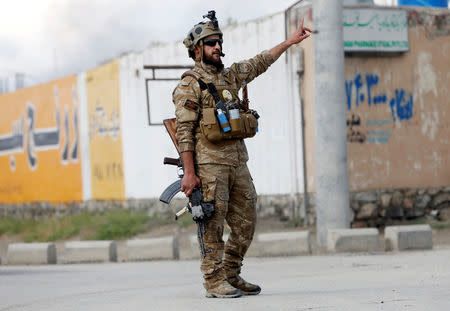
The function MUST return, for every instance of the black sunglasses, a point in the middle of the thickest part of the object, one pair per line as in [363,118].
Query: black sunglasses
[213,42]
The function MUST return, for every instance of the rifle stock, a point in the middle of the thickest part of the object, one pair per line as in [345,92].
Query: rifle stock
[169,124]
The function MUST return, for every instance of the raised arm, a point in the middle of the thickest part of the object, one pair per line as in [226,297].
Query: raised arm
[247,70]
[298,36]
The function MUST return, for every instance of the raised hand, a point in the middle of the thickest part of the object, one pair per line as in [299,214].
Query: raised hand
[301,34]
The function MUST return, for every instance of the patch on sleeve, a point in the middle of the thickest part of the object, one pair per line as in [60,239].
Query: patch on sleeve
[245,67]
[189,104]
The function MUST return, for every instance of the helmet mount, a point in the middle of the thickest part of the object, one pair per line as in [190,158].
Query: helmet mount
[202,30]
[212,17]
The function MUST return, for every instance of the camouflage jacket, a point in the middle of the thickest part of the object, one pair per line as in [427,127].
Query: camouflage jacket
[190,100]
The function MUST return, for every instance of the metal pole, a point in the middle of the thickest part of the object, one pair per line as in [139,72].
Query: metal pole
[333,207]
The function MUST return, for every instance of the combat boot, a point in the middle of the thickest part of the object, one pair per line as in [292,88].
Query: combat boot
[246,287]
[222,289]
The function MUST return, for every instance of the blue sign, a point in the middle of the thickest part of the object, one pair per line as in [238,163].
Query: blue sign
[434,3]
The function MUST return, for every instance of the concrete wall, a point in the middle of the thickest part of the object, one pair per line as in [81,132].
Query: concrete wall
[84,143]
[40,143]
[402,140]
[144,146]
[405,133]
[105,132]
[273,162]
[305,52]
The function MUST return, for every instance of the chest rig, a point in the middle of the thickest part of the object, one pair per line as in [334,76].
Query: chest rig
[224,116]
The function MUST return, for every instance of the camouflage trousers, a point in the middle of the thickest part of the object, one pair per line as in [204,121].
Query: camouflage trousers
[232,190]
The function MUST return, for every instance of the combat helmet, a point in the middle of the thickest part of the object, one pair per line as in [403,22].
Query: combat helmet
[202,30]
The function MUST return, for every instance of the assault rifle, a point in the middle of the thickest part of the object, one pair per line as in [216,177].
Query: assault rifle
[200,210]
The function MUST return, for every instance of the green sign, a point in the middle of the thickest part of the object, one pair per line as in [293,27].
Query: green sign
[375,30]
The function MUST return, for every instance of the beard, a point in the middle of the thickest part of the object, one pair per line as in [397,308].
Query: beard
[211,61]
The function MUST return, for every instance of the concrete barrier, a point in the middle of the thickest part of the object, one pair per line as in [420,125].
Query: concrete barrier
[282,244]
[188,247]
[253,250]
[353,240]
[90,251]
[191,250]
[267,244]
[31,254]
[152,249]
[408,237]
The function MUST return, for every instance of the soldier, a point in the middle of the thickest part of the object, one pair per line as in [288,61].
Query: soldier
[214,153]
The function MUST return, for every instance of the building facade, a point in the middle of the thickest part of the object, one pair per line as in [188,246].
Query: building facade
[96,139]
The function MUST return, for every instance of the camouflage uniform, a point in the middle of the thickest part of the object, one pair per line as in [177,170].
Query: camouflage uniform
[220,166]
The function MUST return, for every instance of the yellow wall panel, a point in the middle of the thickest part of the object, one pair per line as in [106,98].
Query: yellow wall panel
[105,136]
[40,143]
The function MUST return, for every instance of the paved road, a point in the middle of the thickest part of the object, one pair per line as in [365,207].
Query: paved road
[387,281]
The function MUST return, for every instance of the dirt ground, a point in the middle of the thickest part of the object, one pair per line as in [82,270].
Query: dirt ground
[441,237]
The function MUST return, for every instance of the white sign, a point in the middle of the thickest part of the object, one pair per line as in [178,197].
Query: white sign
[375,30]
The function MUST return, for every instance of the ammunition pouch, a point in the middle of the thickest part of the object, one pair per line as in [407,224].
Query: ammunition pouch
[210,127]
[209,124]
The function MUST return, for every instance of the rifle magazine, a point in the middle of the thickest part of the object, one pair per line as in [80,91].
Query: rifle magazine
[170,192]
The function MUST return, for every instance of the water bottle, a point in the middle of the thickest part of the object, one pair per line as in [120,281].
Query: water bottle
[221,116]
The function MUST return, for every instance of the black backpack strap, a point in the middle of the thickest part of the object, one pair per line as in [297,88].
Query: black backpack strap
[203,85]
[213,91]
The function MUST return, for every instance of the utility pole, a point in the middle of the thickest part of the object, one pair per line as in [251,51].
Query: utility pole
[333,203]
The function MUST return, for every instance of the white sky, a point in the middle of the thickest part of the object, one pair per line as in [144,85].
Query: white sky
[47,39]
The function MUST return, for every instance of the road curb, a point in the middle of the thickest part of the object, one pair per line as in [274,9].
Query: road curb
[353,240]
[31,254]
[283,243]
[293,243]
[264,244]
[90,251]
[399,238]
[153,249]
